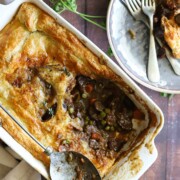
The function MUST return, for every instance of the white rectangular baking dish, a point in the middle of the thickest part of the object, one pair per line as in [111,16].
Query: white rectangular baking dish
[146,150]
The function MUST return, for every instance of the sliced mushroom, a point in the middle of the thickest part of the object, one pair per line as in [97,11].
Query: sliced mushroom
[99,106]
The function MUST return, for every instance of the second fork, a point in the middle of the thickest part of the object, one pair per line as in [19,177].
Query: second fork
[149,7]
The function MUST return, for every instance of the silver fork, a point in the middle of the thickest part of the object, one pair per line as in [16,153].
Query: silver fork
[139,16]
[149,7]
[135,9]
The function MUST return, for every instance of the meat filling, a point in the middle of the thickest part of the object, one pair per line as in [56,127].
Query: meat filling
[104,114]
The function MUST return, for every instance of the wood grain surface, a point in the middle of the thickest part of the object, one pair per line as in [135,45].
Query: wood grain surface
[167,165]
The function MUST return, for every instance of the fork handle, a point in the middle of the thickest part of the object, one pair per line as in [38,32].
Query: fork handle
[153,68]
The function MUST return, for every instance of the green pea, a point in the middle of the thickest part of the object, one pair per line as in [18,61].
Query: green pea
[87,118]
[71,110]
[91,122]
[103,114]
[107,110]
[103,122]
[107,128]
[84,95]
[112,128]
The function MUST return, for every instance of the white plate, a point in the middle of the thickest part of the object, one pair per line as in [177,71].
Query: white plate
[131,54]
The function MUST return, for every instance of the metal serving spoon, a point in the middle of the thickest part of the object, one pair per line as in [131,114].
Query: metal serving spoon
[67,165]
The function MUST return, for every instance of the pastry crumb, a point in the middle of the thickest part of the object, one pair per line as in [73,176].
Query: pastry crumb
[132,34]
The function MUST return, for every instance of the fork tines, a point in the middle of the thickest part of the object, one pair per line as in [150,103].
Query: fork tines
[148,2]
[133,5]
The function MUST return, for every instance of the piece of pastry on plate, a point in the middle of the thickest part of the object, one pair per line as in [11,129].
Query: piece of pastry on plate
[167,24]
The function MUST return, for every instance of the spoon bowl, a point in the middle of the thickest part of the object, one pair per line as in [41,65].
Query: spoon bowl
[67,165]
[70,165]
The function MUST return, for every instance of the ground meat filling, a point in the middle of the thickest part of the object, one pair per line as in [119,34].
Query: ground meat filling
[102,113]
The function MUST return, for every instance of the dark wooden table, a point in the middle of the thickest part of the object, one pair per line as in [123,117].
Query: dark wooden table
[167,165]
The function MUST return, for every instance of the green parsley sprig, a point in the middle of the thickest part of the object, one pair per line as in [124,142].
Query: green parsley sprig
[71,5]
[109,52]
[169,96]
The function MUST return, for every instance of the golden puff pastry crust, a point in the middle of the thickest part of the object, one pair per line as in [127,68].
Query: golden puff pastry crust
[39,61]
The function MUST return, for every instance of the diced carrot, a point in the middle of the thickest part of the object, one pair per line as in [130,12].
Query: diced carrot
[137,114]
[92,100]
[96,136]
[89,88]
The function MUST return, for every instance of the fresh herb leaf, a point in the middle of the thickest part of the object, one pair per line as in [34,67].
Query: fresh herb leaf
[93,22]
[66,141]
[66,71]
[169,96]
[164,94]
[49,113]
[103,23]
[109,52]
[57,8]
[45,104]
[71,5]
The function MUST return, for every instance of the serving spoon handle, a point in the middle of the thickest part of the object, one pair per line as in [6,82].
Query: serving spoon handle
[47,150]
[60,160]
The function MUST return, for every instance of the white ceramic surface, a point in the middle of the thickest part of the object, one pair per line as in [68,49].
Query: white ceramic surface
[132,54]
[121,168]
